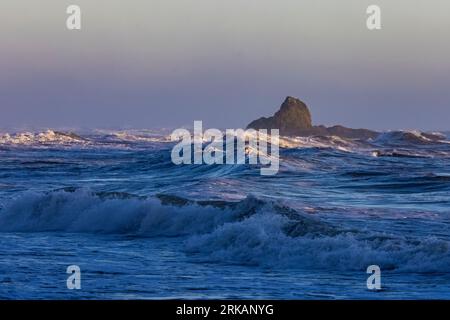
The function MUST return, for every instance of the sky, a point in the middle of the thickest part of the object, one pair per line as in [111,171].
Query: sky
[166,63]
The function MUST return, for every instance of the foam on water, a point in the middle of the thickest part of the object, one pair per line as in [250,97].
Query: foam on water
[46,137]
[336,204]
[123,138]
[250,232]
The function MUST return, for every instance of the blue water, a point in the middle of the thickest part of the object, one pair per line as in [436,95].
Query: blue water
[140,227]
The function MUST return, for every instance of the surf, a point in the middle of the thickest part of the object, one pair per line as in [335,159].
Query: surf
[248,232]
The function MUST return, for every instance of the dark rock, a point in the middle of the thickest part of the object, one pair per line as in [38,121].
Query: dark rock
[344,132]
[294,119]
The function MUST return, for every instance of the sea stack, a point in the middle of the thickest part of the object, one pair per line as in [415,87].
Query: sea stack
[294,119]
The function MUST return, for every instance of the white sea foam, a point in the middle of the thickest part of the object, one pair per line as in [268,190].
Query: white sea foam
[409,136]
[83,211]
[129,138]
[260,240]
[320,142]
[250,232]
[140,137]
[46,137]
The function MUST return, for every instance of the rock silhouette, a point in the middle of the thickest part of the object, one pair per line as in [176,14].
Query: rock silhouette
[294,119]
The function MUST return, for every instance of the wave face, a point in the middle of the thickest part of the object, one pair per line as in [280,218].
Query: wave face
[115,213]
[248,232]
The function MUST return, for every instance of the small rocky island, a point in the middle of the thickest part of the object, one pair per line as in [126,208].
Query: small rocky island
[294,119]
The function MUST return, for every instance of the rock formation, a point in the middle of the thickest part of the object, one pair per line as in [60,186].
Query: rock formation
[294,119]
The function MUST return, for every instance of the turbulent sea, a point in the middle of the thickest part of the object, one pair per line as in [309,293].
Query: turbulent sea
[140,227]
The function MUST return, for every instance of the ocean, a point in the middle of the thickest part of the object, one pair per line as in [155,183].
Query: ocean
[140,227]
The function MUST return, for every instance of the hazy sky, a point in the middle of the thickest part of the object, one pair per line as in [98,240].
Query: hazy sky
[159,63]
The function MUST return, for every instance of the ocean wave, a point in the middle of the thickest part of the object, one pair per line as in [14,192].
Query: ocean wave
[397,144]
[46,137]
[260,240]
[387,144]
[409,137]
[97,138]
[333,142]
[134,136]
[82,211]
[247,232]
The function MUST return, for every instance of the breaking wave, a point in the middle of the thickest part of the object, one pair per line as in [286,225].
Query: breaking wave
[248,232]
[96,139]
[141,136]
[409,137]
[46,137]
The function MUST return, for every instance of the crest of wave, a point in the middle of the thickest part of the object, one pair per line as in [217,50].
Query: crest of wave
[46,137]
[249,232]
